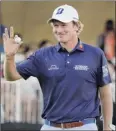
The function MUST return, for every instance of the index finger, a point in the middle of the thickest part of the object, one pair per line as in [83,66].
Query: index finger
[6,32]
[11,32]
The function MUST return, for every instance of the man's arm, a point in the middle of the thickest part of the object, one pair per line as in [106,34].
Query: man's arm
[10,72]
[25,69]
[10,48]
[107,106]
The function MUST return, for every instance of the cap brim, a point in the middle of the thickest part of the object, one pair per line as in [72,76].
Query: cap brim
[58,19]
[49,20]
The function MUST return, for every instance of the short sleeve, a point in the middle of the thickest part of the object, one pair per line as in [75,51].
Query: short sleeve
[29,67]
[103,75]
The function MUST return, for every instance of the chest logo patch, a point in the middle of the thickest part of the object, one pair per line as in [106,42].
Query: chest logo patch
[81,67]
[53,67]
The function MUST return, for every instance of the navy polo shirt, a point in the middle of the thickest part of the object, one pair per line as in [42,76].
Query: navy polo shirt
[69,81]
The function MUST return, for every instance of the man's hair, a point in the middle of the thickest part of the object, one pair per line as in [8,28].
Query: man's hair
[109,25]
[43,43]
[80,26]
[78,23]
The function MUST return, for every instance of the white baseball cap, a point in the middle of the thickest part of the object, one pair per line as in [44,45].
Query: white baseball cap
[65,14]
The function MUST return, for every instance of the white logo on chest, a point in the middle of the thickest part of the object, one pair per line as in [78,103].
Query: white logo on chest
[81,67]
[53,67]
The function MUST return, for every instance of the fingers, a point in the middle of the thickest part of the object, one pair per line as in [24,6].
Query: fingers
[4,37]
[11,32]
[6,33]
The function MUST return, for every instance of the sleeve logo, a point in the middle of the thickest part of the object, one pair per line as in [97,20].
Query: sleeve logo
[105,70]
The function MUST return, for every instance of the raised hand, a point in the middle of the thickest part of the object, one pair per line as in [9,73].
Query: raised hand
[10,44]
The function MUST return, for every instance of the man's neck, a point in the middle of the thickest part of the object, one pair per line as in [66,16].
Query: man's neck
[70,45]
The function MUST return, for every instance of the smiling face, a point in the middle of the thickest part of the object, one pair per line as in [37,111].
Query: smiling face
[64,32]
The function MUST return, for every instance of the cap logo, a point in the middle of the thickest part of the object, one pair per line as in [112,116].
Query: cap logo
[59,11]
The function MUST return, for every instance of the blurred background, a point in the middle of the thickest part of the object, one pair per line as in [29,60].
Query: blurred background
[29,18]
[22,101]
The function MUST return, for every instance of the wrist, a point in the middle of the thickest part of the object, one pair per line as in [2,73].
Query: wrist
[9,57]
[107,127]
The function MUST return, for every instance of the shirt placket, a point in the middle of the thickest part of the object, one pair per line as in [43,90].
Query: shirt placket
[67,61]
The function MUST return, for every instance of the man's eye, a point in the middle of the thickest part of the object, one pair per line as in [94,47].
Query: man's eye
[56,25]
[63,25]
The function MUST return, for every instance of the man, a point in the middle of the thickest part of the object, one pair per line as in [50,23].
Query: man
[44,43]
[70,73]
[108,27]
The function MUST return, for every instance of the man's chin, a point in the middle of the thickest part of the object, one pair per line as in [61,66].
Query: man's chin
[62,41]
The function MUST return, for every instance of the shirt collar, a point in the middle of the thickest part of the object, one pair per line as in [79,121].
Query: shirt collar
[79,46]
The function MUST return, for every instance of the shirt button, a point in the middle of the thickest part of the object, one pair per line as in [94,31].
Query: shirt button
[68,55]
[68,62]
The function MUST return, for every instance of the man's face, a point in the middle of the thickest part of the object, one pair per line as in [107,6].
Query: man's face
[64,32]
